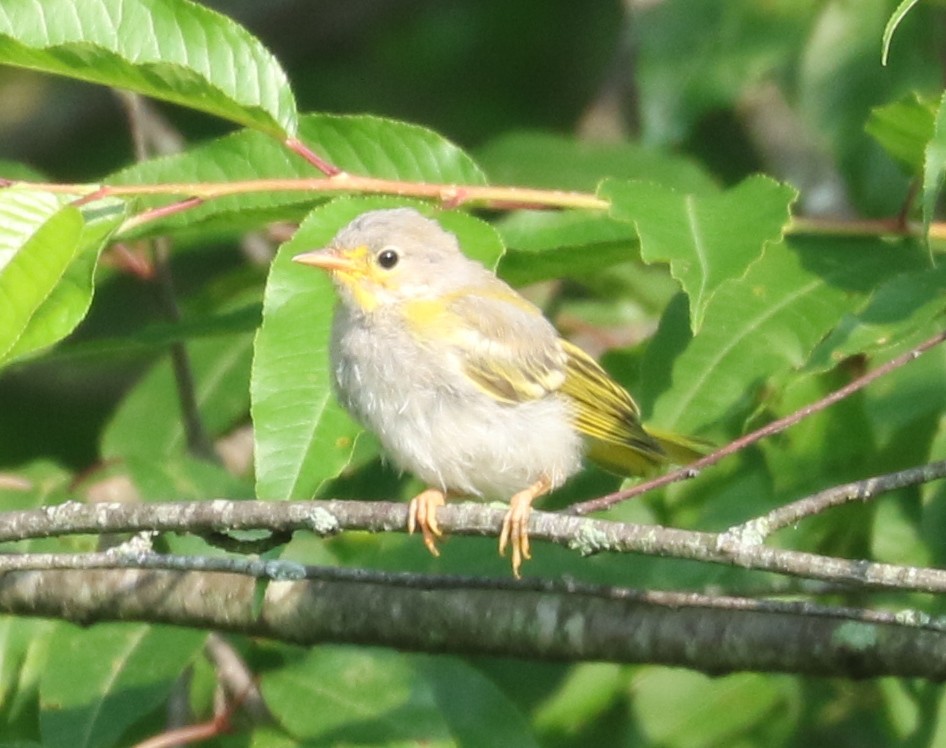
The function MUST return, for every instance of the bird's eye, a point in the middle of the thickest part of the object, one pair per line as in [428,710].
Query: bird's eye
[388,258]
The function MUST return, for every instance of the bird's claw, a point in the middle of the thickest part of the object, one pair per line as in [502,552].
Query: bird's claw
[422,513]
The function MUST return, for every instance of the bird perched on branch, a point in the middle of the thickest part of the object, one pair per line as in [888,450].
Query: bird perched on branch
[465,382]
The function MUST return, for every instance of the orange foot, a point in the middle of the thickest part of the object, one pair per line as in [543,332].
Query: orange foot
[516,523]
[422,513]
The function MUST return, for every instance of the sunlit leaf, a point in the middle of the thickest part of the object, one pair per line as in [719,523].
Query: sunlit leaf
[48,252]
[895,18]
[363,145]
[174,50]
[708,239]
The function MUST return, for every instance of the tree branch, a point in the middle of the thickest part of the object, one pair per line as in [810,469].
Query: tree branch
[759,528]
[586,535]
[558,625]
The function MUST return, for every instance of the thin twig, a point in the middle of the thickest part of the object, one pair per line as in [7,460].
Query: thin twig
[199,442]
[446,194]
[339,183]
[693,469]
[759,528]
[297,146]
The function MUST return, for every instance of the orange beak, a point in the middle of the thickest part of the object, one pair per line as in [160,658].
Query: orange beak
[328,259]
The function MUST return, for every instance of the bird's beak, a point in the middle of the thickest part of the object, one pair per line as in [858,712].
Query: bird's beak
[329,259]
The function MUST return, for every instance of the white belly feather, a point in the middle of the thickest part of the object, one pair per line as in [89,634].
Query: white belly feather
[443,429]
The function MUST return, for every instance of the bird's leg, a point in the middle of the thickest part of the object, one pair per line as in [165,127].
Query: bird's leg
[422,513]
[516,523]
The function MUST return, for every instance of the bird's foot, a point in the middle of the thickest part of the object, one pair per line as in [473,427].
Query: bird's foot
[515,530]
[422,513]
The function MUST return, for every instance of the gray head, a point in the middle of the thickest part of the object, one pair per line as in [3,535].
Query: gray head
[388,256]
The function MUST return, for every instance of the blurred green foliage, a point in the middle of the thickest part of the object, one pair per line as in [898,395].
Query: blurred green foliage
[687,288]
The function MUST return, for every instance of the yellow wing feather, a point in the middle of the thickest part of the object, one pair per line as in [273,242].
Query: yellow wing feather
[511,369]
[608,416]
[535,363]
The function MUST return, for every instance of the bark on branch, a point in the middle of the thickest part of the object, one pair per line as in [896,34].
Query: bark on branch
[690,631]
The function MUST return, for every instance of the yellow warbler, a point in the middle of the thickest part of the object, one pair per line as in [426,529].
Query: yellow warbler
[464,381]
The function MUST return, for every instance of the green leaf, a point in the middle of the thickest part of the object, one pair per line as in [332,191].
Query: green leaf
[303,437]
[896,17]
[14,170]
[905,407]
[173,50]
[901,310]
[365,696]
[556,162]
[149,423]
[183,478]
[37,484]
[674,707]
[694,61]
[534,231]
[48,252]
[24,644]
[100,681]
[572,243]
[158,336]
[707,239]
[904,128]
[762,325]
[377,697]
[362,145]
[475,710]
[586,693]
[934,166]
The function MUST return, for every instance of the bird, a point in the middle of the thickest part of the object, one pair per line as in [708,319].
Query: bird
[465,382]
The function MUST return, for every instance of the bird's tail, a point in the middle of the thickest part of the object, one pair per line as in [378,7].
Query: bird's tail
[680,450]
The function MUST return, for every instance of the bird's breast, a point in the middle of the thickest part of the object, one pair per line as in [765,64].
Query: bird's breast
[433,422]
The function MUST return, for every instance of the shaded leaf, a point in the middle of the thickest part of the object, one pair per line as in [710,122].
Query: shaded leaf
[183,478]
[149,423]
[100,681]
[761,325]
[475,710]
[343,695]
[673,707]
[159,335]
[556,162]
[901,310]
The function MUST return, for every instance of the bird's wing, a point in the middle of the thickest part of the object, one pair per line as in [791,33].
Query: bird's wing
[608,416]
[500,341]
